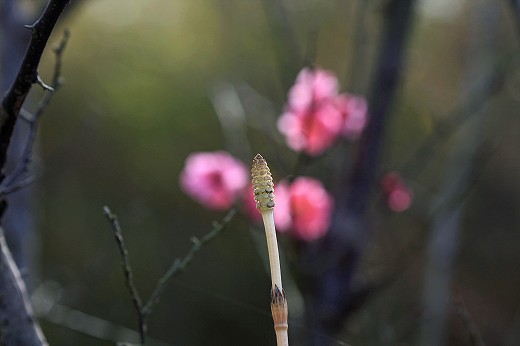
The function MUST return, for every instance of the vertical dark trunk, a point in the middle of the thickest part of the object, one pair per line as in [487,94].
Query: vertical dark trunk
[330,294]
[19,219]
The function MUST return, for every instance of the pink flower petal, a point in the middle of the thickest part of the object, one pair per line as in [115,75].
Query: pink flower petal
[400,199]
[355,112]
[311,208]
[214,179]
[316,115]
[282,209]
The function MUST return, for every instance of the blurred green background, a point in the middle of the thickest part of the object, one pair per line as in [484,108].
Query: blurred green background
[137,101]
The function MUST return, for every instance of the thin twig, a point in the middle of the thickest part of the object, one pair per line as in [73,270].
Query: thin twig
[179,264]
[45,300]
[13,181]
[127,271]
[17,323]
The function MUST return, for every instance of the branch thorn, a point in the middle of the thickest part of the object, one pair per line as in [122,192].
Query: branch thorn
[31,27]
[41,83]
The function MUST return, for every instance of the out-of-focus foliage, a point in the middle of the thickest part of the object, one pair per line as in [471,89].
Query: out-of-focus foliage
[136,104]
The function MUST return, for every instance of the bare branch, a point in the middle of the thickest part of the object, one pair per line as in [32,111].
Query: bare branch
[46,304]
[127,271]
[179,264]
[13,181]
[27,74]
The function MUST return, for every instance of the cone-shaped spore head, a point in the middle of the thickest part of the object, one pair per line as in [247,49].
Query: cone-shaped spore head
[263,186]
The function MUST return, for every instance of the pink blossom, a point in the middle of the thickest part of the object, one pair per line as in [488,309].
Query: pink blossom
[316,115]
[355,114]
[391,181]
[311,208]
[303,208]
[282,209]
[312,86]
[214,179]
[399,197]
[282,213]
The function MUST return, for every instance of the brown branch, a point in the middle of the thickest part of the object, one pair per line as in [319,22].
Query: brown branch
[27,75]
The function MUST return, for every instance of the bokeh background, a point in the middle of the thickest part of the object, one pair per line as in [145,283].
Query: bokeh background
[141,80]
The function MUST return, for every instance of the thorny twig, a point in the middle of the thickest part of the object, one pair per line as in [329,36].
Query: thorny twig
[17,323]
[27,75]
[177,266]
[127,271]
[13,181]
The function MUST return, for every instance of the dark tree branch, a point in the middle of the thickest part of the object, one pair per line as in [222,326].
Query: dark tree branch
[17,323]
[329,292]
[177,266]
[127,271]
[14,181]
[27,75]
[396,29]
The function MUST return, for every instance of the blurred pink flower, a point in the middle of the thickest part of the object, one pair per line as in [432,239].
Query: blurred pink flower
[399,197]
[315,114]
[214,179]
[249,204]
[303,208]
[282,209]
[312,86]
[282,215]
[311,208]
[355,114]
